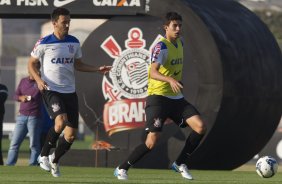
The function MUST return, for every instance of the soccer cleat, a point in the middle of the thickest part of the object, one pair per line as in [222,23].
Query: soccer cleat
[183,170]
[44,163]
[54,166]
[121,174]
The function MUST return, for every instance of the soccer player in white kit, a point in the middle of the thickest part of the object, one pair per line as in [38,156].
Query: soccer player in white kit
[59,54]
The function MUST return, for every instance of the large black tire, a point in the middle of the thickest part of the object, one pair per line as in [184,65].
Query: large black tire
[233,76]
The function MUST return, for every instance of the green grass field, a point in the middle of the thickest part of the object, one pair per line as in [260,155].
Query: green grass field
[80,175]
[87,175]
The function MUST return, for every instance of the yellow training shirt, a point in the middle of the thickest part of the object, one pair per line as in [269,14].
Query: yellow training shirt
[170,57]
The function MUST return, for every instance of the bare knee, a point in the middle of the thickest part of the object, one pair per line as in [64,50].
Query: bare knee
[201,129]
[59,128]
[60,123]
[152,139]
[150,145]
[69,138]
[70,134]
[197,124]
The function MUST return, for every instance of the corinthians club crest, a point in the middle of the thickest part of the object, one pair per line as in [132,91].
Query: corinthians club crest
[125,88]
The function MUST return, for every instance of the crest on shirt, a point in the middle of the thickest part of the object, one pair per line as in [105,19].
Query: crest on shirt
[157,123]
[71,48]
[55,107]
[125,87]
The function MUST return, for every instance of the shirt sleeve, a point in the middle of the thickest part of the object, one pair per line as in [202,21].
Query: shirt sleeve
[38,50]
[159,53]
[18,92]
[78,53]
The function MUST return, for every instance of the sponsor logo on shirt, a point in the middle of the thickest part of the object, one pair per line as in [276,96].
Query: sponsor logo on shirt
[62,60]
[176,61]
[176,72]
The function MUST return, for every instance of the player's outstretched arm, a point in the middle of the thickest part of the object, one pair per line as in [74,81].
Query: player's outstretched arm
[80,66]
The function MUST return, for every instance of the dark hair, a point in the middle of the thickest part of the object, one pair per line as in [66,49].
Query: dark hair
[59,11]
[170,16]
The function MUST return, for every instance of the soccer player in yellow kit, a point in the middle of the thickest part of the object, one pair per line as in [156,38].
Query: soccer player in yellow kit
[165,100]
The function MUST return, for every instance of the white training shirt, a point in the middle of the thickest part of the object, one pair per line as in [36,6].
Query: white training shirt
[57,59]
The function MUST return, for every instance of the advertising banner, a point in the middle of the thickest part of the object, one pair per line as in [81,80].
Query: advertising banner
[81,8]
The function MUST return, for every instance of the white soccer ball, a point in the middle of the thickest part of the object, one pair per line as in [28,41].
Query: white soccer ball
[266,166]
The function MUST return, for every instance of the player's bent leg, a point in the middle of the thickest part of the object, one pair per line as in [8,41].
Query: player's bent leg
[191,144]
[64,145]
[197,124]
[152,139]
[51,140]
[121,171]
[138,153]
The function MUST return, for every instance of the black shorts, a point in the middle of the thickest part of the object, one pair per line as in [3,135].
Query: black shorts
[62,103]
[159,108]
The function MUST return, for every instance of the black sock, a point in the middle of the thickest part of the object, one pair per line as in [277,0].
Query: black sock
[136,155]
[191,144]
[50,142]
[63,147]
